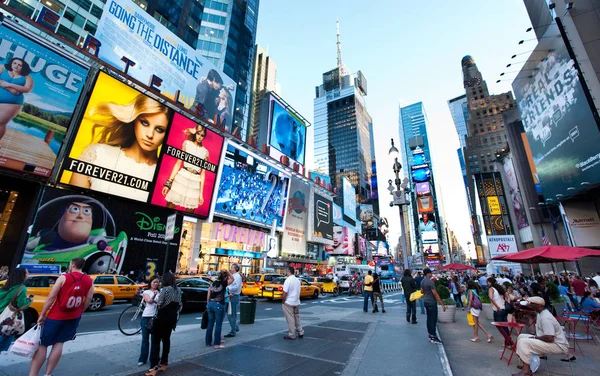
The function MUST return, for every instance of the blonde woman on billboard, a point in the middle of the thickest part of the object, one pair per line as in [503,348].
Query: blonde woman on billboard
[224,102]
[14,82]
[185,186]
[129,138]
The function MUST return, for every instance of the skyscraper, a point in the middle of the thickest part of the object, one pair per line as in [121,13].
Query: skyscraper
[264,79]
[344,132]
[459,110]
[227,37]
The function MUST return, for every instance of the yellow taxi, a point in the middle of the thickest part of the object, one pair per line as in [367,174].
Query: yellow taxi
[315,281]
[274,290]
[122,287]
[254,283]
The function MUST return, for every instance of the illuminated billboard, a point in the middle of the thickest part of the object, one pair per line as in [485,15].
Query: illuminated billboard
[423,189]
[425,204]
[429,237]
[349,199]
[421,173]
[343,241]
[322,217]
[287,132]
[294,235]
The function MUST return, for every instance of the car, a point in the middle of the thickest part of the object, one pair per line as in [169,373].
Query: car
[194,292]
[344,283]
[122,287]
[315,281]
[274,290]
[255,282]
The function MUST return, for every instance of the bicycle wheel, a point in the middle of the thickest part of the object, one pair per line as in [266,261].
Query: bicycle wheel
[129,321]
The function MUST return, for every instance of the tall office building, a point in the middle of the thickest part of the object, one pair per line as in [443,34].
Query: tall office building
[344,132]
[459,110]
[78,18]
[264,79]
[227,38]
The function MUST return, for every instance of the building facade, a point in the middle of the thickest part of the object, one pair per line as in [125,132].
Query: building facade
[459,109]
[264,79]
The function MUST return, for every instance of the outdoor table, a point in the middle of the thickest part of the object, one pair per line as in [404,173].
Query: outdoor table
[514,327]
[570,325]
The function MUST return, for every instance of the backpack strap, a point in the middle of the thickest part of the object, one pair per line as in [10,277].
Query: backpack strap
[14,298]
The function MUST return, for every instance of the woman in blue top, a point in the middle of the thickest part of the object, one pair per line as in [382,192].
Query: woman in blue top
[14,82]
[587,303]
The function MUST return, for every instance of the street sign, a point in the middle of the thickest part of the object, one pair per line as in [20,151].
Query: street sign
[41,268]
[170,229]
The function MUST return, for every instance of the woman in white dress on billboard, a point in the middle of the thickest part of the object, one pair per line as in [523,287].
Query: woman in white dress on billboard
[129,138]
[185,185]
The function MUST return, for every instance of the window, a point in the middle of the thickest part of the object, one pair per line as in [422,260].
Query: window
[97,12]
[69,34]
[84,4]
[108,280]
[34,282]
[124,280]
[90,27]
[72,16]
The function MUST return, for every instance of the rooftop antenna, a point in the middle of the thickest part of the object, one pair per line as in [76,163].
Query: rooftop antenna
[339,45]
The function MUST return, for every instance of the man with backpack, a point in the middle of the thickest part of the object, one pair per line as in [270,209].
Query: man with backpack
[72,293]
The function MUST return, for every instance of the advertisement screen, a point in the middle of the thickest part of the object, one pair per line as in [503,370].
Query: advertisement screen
[349,198]
[110,233]
[343,241]
[494,205]
[366,216]
[39,90]
[288,132]
[425,204]
[423,189]
[557,117]
[362,246]
[337,215]
[251,190]
[515,194]
[429,236]
[427,222]
[118,142]
[294,234]
[188,168]
[421,173]
[418,159]
[126,30]
[431,249]
[323,217]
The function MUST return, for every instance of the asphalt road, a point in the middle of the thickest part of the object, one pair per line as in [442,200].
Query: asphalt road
[107,318]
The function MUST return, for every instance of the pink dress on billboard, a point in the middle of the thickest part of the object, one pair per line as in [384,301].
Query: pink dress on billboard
[185,190]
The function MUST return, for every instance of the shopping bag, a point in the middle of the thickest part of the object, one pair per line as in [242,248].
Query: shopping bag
[416,295]
[28,343]
[470,319]
[204,323]
[464,300]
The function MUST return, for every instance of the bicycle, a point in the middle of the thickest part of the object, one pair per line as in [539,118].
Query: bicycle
[130,318]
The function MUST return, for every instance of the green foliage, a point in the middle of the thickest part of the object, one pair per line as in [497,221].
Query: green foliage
[552,291]
[443,292]
[443,281]
[483,296]
[449,302]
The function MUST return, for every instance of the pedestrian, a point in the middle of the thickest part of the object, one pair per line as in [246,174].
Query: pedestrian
[578,287]
[13,292]
[409,285]
[418,279]
[72,293]
[368,291]
[497,295]
[430,296]
[168,305]
[549,337]
[597,278]
[235,288]
[291,305]
[149,297]
[215,306]
[377,293]
[474,307]
[456,292]
[588,304]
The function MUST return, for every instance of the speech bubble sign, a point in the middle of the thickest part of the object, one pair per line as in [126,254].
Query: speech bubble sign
[323,216]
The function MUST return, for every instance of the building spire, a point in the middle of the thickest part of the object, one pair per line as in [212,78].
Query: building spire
[339,44]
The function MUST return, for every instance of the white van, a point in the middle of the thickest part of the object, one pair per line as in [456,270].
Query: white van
[342,270]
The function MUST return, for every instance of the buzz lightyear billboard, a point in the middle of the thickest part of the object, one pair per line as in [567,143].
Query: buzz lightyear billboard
[112,235]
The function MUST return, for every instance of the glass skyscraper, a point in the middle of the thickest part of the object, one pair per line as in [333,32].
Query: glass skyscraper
[459,110]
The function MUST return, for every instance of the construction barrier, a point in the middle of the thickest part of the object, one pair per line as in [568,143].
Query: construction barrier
[391,286]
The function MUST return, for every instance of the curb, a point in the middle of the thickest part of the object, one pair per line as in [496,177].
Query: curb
[444,358]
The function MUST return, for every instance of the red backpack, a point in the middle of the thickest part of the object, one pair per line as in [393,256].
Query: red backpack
[75,295]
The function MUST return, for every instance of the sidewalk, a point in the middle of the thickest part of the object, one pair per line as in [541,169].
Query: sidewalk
[473,359]
[338,341]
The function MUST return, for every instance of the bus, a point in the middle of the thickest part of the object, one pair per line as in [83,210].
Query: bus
[386,270]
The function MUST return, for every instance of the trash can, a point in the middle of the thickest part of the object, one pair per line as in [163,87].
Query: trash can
[247,311]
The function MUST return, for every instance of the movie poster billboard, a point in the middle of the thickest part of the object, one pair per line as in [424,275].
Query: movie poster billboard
[343,241]
[349,198]
[251,190]
[116,148]
[322,217]
[188,168]
[287,133]
[111,234]
[39,90]
[294,234]
[515,194]
[362,247]
[558,119]
[128,31]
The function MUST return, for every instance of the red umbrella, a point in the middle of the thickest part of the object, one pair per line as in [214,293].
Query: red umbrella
[549,254]
[456,266]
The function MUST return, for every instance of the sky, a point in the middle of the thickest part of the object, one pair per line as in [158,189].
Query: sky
[409,52]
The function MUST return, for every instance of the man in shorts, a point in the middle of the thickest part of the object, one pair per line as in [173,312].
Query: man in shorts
[72,293]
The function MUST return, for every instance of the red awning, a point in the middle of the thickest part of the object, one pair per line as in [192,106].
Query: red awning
[456,266]
[549,254]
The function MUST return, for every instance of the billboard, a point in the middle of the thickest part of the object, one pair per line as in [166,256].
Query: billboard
[337,215]
[321,179]
[428,237]
[431,249]
[188,168]
[362,247]
[366,215]
[343,241]
[287,132]
[272,246]
[118,141]
[39,90]
[427,222]
[322,217]
[349,198]
[584,223]
[127,32]
[425,204]
[501,245]
[423,189]
[421,173]
[515,194]
[558,119]
[294,234]
[494,205]
[110,233]
[251,190]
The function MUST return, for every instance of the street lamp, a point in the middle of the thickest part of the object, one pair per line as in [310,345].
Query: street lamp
[399,195]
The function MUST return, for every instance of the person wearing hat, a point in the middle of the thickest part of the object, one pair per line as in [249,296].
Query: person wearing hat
[549,337]
[430,300]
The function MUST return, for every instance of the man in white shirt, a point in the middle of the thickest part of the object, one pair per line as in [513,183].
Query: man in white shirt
[235,289]
[597,278]
[291,305]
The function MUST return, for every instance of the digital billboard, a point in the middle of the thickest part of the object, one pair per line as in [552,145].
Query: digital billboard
[294,234]
[429,236]
[337,215]
[558,119]
[39,90]
[427,222]
[127,31]
[349,199]
[421,173]
[251,190]
[118,141]
[425,204]
[109,233]
[431,249]
[423,189]
[343,241]
[287,132]
[494,205]
[515,194]
[322,217]
[188,168]
[362,246]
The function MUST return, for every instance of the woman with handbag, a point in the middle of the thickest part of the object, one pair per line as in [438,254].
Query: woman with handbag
[163,323]
[215,306]
[474,308]
[149,297]
[13,300]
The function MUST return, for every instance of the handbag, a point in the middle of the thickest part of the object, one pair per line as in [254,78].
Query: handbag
[509,308]
[470,319]
[204,323]
[12,322]
[150,323]
[476,302]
